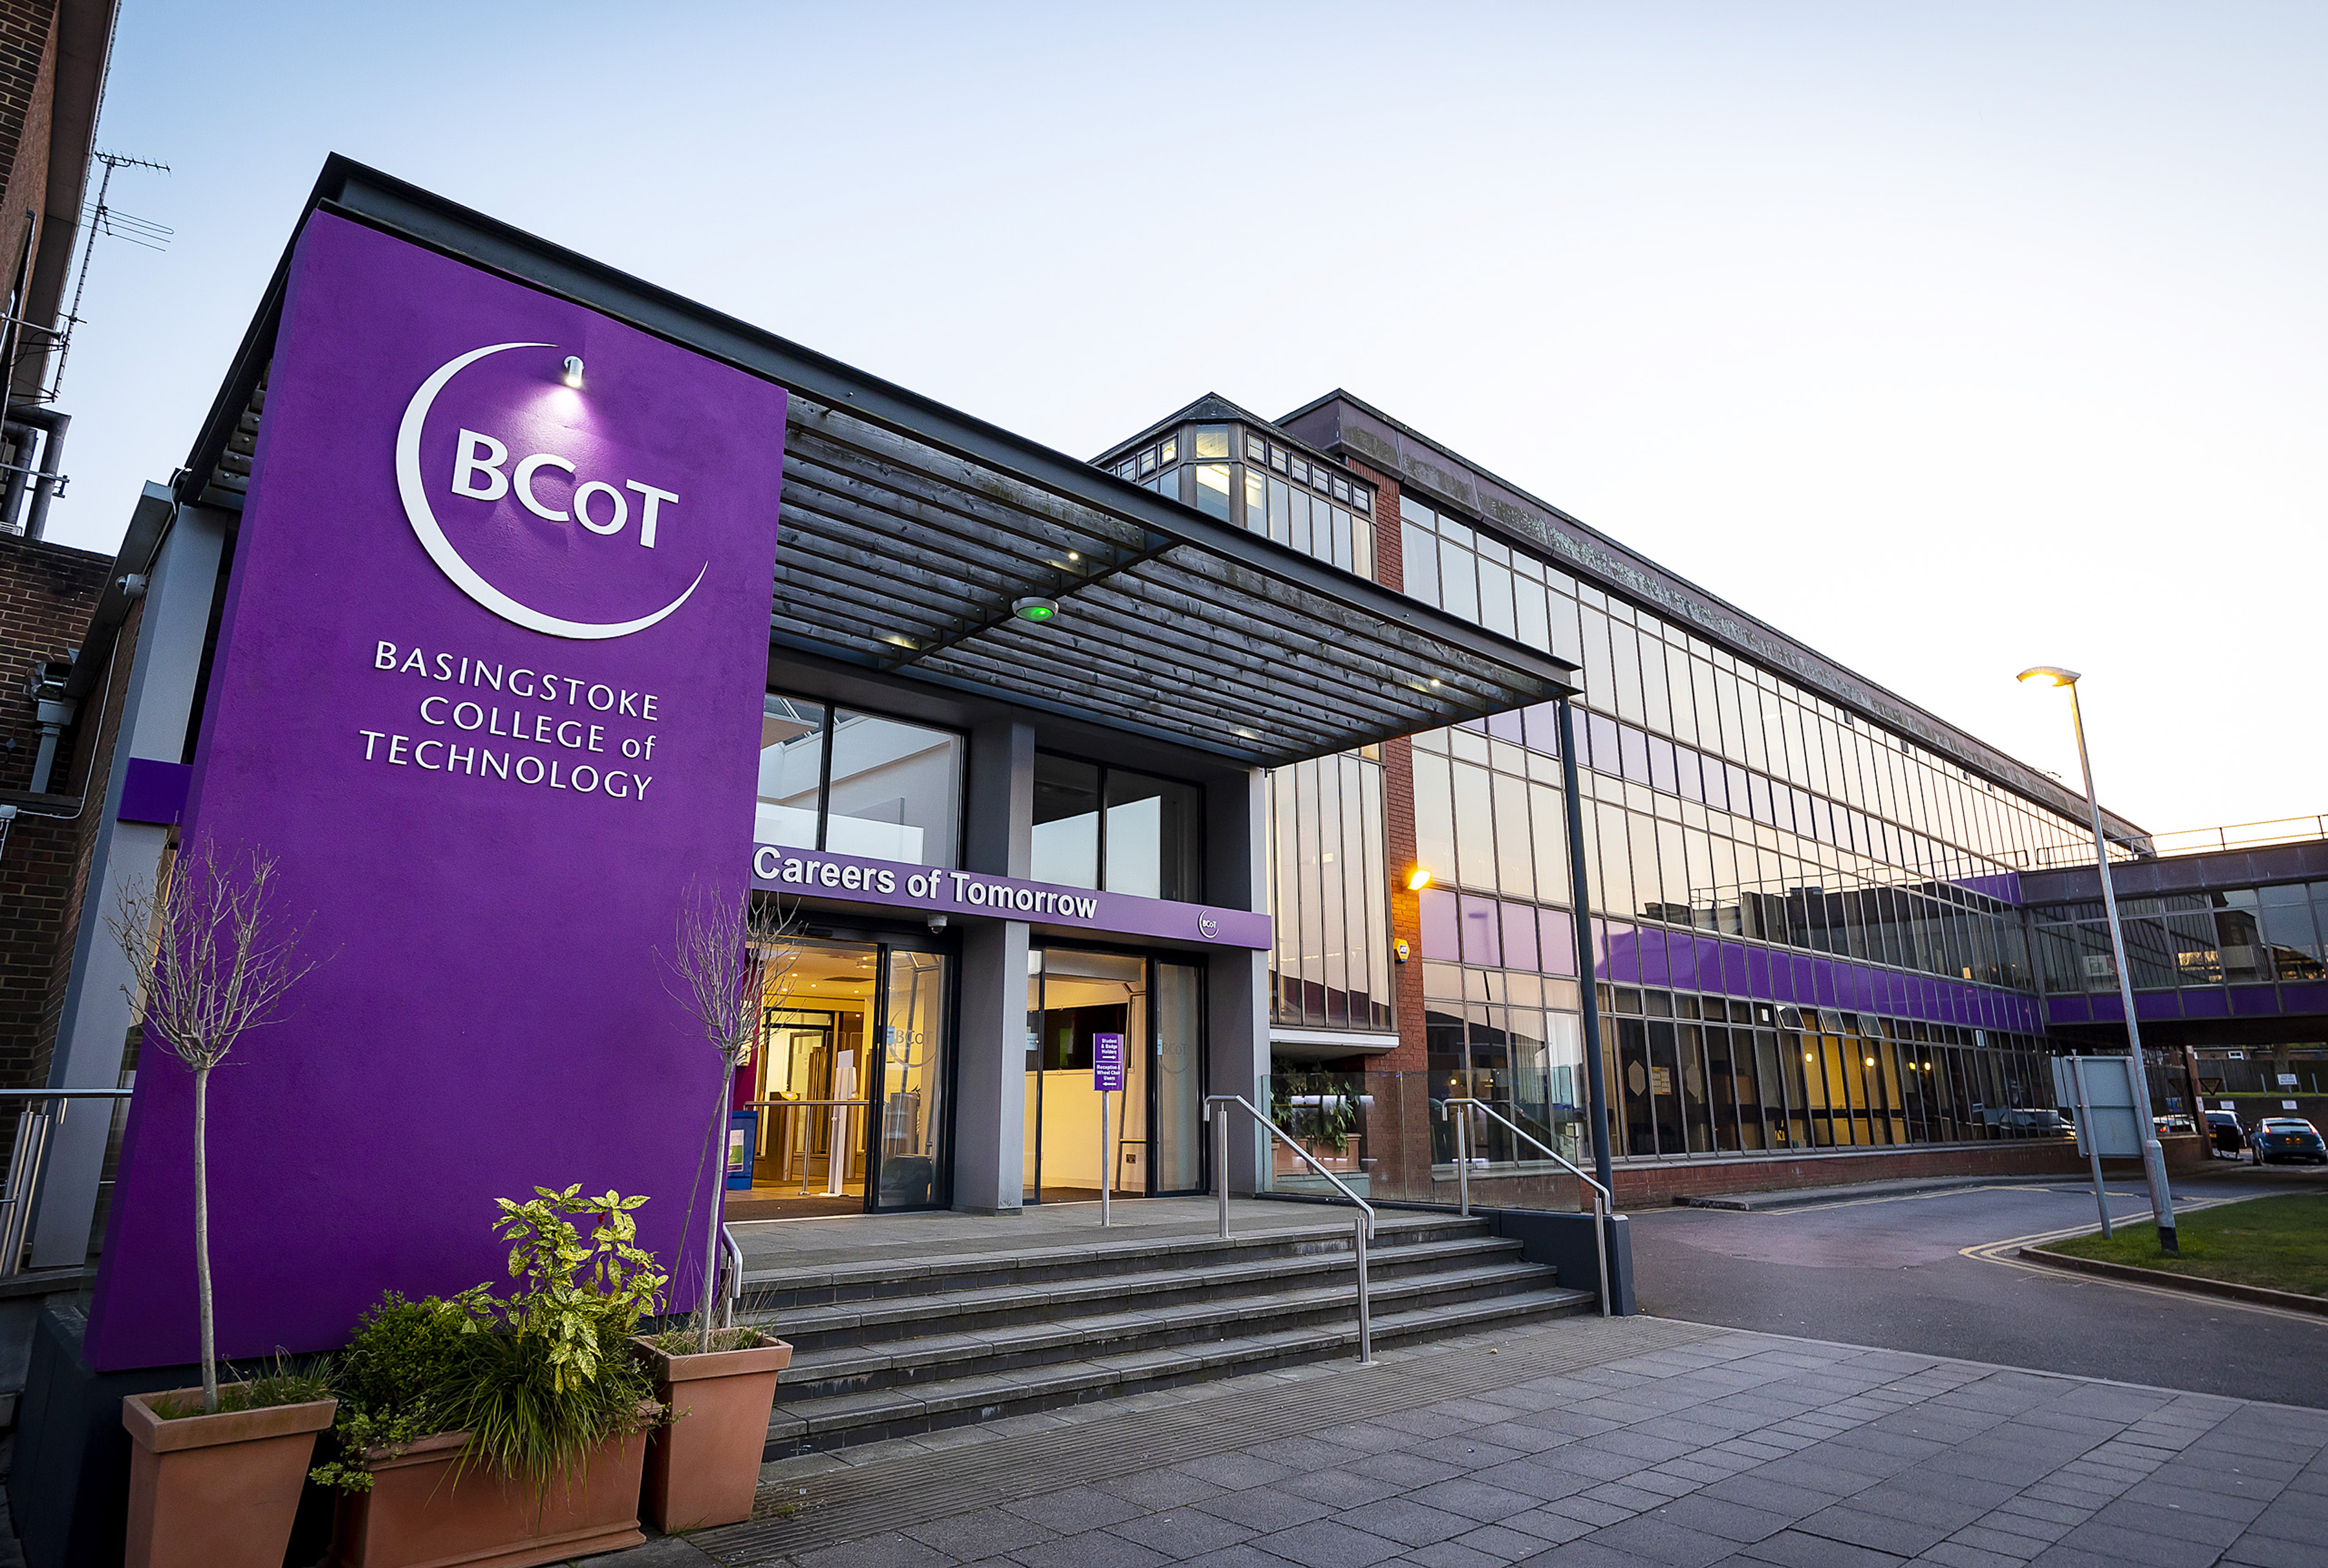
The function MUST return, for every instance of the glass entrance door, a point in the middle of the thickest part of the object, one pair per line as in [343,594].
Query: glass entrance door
[1153,1140]
[846,1089]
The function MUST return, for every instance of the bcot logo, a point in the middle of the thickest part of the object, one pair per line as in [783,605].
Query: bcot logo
[482,471]
[477,475]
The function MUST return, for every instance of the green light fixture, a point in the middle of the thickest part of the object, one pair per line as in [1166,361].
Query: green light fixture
[1037,610]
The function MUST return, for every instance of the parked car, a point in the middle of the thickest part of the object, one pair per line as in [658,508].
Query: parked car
[2278,1137]
[2224,1134]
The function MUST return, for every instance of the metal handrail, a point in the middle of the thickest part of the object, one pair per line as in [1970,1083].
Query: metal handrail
[1361,1232]
[867,1105]
[734,1252]
[1602,1198]
[35,1130]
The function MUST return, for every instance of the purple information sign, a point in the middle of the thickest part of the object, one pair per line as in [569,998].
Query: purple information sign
[1107,1063]
[488,687]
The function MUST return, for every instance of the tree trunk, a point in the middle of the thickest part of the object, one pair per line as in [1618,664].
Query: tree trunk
[202,1238]
[719,1113]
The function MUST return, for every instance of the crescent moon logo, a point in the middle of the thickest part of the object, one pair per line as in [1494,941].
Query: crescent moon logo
[448,560]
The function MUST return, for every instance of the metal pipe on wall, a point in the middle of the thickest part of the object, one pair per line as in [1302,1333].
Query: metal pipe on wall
[52,477]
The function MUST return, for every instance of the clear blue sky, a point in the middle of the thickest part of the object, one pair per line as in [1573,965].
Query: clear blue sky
[1949,338]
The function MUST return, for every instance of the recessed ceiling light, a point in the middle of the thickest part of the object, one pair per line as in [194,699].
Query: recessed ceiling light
[1037,610]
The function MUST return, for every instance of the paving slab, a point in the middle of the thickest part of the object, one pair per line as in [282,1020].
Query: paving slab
[1850,1457]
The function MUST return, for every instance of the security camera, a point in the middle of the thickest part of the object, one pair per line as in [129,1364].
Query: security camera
[937,921]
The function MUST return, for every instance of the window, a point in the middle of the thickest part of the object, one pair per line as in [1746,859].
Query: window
[858,784]
[1066,822]
[1150,845]
[1148,842]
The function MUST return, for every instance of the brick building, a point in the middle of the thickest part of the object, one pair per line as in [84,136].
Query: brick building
[52,65]
[46,594]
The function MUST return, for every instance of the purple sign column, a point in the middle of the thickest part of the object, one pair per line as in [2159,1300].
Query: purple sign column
[487,686]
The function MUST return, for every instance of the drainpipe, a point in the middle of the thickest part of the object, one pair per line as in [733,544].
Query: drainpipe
[52,452]
[53,714]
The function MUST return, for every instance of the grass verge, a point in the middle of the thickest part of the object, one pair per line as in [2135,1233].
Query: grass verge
[2280,1244]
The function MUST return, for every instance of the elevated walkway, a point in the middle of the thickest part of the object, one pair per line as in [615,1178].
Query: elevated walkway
[914,1323]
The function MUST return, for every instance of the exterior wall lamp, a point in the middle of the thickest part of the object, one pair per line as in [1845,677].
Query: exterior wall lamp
[1418,880]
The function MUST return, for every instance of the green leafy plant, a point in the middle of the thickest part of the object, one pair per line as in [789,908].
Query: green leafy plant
[1319,1106]
[539,1380]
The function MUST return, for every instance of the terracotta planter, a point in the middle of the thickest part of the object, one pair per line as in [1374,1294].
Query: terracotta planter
[216,1489]
[703,1467]
[419,1514]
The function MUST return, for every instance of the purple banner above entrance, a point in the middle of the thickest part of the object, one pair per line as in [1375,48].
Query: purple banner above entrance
[853,879]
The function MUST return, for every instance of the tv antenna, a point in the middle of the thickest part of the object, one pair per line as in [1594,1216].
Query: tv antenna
[101,218]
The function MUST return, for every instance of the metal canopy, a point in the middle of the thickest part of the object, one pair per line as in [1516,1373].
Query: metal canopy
[900,557]
[908,529]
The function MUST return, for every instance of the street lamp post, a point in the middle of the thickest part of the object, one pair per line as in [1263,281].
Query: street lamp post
[2154,1157]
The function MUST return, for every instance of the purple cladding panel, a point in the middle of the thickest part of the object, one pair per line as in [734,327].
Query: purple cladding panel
[2067,1010]
[1760,984]
[1623,965]
[1436,907]
[2253,1001]
[1707,962]
[1601,950]
[2205,1002]
[1558,936]
[1734,970]
[1482,931]
[1860,993]
[2156,1006]
[488,744]
[2311,997]
[155,791]
[1823,991]
[2107,1009]
[1649,944]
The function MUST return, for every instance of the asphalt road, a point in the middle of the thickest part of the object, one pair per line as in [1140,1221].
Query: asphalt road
[1891,1273]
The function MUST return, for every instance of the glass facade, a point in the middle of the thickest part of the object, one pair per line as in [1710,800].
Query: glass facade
[1244,477]
[2199,942]
[1743,832]
[1719,800]
[1326,893]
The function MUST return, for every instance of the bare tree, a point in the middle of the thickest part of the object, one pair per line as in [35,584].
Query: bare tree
[211,958]
[729,958]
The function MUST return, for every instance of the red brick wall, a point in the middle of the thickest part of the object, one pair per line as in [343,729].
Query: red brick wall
[92,768]
[1649,1186]
[46,594]
[27,89]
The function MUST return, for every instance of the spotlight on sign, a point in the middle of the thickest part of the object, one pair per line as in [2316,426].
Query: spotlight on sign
[1036,610]
[572,370]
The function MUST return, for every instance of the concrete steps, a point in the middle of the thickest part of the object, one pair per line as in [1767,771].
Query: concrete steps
[891,1346]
